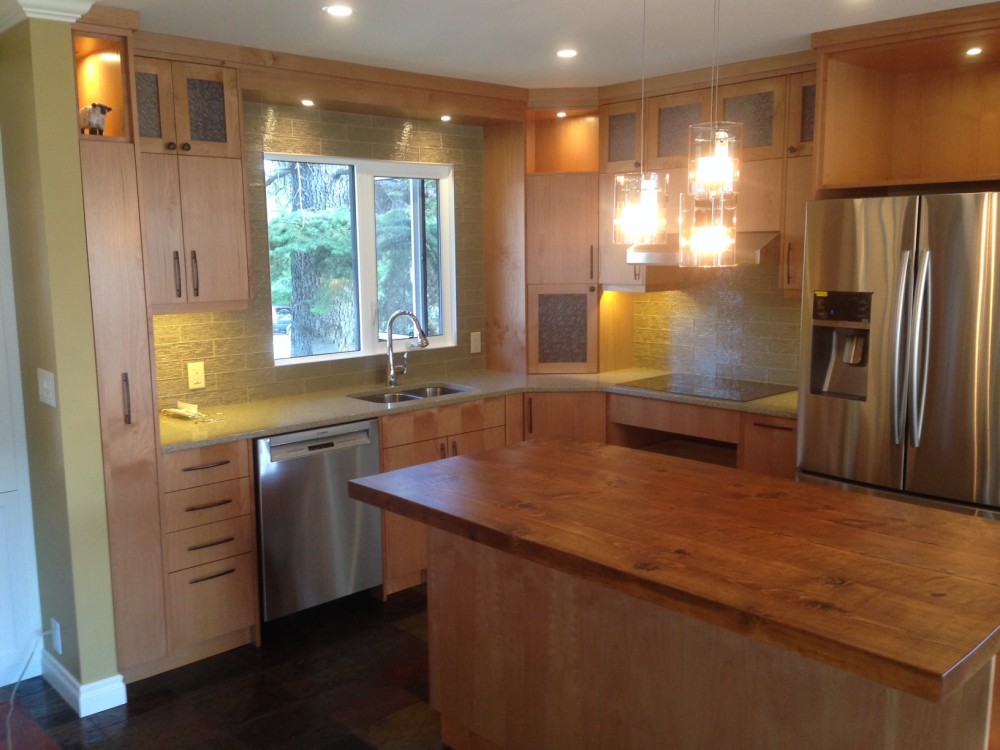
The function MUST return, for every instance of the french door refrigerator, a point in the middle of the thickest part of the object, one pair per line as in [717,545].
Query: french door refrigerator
[901,346]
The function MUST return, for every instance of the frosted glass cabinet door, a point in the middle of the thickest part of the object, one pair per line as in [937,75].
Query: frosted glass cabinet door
[760,106]
[562,328]
[619,136]
[668,122]
[187,109]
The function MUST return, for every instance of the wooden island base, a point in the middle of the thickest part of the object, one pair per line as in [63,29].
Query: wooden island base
[526,656]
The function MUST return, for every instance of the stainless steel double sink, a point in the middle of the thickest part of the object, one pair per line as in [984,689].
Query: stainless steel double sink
[400,394]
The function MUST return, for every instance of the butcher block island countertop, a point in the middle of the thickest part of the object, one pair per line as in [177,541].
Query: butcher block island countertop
[901,595]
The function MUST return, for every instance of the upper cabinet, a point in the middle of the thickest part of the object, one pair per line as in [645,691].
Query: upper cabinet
[760,106]
[101,86]
[901,103]
[561,228]
[801,129]
[668,121]
[620,126]
[187,109]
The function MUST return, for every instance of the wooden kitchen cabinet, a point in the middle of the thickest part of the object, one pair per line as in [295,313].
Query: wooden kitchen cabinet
[768,445]
[759,203]
[561,215]
[668,121]
[194,232]
[101,77]
[125,395]
[419,437]
[760,106]
[209,550]
[619,136]
[562,328]
[187,109]
[798,192]
[578,416]
[800,133]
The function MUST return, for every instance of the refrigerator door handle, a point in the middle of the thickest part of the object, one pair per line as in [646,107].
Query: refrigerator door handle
[920,346]
[899,340]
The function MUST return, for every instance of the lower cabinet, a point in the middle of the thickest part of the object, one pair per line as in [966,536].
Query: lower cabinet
[209,551]
[768,444]
[419,437]
[579,416]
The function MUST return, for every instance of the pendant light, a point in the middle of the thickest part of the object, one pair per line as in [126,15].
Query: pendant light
[708,208]
[640,197]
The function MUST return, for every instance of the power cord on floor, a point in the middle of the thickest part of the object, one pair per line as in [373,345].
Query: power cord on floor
[10,709]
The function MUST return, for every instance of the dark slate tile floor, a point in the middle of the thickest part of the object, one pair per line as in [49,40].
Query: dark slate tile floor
[349,675]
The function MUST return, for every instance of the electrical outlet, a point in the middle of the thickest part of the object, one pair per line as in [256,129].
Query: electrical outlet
[196,375]
[56,635]
[475,342]
[46,387]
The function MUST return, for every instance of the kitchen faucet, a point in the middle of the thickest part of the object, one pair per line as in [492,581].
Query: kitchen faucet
[393,369]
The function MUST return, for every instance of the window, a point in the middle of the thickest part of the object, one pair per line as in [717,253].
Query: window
[351,242]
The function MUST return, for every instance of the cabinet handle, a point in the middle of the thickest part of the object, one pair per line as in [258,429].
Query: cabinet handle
[531,414]
[207,506]
[444,450]
[215,465]
[214,575]
[454,447]
[635,271]
[126,399]
[772,426]
[185,147]
[592,261]
[206,545]
[792,149]
[194,271]
[788,265]
[171,146]
[177,273]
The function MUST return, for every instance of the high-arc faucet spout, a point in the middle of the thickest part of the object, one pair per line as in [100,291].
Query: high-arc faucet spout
[392,369]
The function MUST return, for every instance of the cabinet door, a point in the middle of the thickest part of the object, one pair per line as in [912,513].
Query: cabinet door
[577,416]
[760,106]
[562,328]
[801,129]
[759,202]
[475,442]
[619,136]
[206,110]
[214,222]
[154,99]
[125,393]
[798,192]
[668,119]
[561,228]
[162,230]
[211,600]
[767,445]
[615,270]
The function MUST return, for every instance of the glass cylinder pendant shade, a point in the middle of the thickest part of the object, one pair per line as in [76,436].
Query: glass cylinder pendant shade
[708,209]
[640,216]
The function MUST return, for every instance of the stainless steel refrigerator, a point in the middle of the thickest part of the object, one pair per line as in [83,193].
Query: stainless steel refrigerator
[901,346]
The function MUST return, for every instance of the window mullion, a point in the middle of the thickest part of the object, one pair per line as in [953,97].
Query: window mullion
[367,271]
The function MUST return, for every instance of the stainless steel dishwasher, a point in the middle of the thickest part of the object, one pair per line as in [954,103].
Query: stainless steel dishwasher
[316,543]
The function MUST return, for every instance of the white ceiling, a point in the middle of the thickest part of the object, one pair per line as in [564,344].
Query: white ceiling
[514,41]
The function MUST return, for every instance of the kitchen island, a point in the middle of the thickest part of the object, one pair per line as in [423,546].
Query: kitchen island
[591,596]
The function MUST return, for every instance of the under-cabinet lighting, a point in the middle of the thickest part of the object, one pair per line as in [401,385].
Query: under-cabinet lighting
[445,118]
[339,10]
[566,53]
[308,103]
[112,57]
[973,51]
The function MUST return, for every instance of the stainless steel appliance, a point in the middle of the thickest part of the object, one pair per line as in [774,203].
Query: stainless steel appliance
[316,543]
[901,345]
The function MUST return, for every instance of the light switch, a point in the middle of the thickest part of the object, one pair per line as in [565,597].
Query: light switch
[475,342]
[46,387]
[196,375]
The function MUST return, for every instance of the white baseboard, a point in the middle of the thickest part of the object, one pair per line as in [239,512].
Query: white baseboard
[88,699]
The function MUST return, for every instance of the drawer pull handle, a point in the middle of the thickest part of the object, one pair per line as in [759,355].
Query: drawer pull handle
[126,398]
[214,575]
[215,465]
[206,506]
[206,545]
[772,426]
[444,450]
[454,447]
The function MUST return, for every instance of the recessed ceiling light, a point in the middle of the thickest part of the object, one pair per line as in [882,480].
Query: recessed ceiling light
[566,53]
[445,118]
[339,10]
[308,103]
[973,51]
[560,114]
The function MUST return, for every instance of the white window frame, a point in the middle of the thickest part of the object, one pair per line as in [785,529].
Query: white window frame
[365,173]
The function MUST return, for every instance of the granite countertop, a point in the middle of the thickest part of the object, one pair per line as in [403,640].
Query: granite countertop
[307,411]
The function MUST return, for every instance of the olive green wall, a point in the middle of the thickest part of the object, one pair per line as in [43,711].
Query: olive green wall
[52,299]
[236,347]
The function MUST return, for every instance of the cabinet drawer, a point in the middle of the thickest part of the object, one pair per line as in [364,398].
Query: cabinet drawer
[210,600]
[441,421]
[213,463]
[208,543]
[200,505]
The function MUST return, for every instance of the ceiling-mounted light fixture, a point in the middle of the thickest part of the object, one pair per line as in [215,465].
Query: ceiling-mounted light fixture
[640,199]
[708,208]
[338,10]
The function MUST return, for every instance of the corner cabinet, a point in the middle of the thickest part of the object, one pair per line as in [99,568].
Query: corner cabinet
[421,437]
[561,228]
[192,180]
[562,328]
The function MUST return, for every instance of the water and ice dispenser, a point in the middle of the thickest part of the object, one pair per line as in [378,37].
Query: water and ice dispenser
[841,323]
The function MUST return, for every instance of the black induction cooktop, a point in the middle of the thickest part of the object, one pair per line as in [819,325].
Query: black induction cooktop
[708,387]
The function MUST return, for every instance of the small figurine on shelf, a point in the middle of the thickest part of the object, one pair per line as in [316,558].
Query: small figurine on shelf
[92,118]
